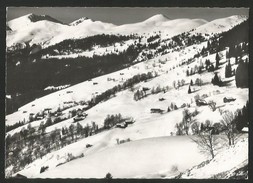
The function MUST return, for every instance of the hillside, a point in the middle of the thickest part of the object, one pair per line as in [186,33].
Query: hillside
[113,103]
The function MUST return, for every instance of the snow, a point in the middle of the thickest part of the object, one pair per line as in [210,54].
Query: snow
[36,32]
[96,50]
[8,96]
[245,129]
[56,87]
[224,161]
[131,159]
[152,151]
[220,25]
[25,30]
[143,106]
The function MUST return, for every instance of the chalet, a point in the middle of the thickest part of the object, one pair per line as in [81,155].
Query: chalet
[161,99]
[88,145]
[129,122]
[48,110]
[145,89]
[200,102]
[156,110]
[228,99]
[121,125]
[39,117]
[80,116]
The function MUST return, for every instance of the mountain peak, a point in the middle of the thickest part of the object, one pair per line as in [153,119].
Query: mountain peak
[157,18]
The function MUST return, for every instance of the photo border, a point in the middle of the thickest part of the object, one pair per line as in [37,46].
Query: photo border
[118,3]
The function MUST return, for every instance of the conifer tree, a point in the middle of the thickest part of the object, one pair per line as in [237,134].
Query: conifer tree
[228,70]
[241,75]
[216,80]
[189,90]
[217,58]
[191,83]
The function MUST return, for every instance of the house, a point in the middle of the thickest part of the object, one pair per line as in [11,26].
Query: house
[80,116]
[228,99]
[200,102]
[121,125]
[156,110]
[39,117]
[145,89]
[88,145]
[161,99]
[129,122]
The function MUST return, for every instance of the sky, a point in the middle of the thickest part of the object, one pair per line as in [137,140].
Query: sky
[121,15]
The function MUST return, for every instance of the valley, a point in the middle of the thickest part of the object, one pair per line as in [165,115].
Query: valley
[127,101]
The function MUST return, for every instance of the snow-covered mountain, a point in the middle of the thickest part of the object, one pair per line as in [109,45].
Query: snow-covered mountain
[140,120]
[159,23]
[220,25]
[45,30]
[36,29]
[27,20]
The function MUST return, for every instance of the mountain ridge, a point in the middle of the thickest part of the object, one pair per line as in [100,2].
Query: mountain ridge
[52,31]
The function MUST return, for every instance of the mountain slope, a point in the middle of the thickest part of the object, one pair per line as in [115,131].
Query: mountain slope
[39,32]
[168,28]
[224,164]
[28,19]
[133,159]
[139,118]
[220,25]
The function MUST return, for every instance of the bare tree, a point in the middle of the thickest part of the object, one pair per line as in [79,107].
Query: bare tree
[212,105]
[195,127]
[186,121]
[207,142]
[229,126]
